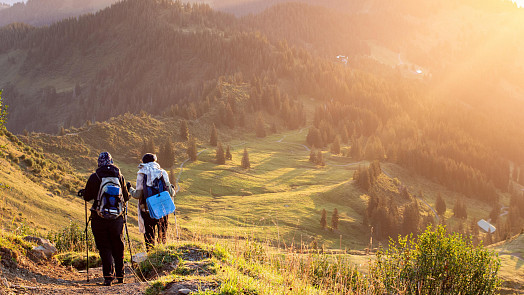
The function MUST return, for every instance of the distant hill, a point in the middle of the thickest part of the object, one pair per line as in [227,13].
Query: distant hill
[46,12]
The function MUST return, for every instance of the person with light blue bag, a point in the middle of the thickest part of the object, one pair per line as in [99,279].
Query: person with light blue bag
[151,181]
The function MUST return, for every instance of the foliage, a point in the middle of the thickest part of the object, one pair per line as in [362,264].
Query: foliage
[260,127]
[184,131]
[157,258]
[72,238]
[334,219]
[220,155]
[245,160]
[78,259]
[14,243]
[213,138]
[436,263]
[192,150]
[459,210]
[3,113]
[440,205]
[228,153]
[323,219]
[166,156]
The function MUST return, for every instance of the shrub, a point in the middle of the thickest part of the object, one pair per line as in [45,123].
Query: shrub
[72,238]
[78,260]
[157,258]
[29,162]
[436,264]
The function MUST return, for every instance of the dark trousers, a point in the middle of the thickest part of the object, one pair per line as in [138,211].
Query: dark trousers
[109,241]
[152,226]
[162,229]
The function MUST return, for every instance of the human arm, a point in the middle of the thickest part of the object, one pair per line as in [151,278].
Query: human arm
[125,193]
[137,192]
[92,186]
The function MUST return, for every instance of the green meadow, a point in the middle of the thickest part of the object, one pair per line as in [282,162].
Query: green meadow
[280,198]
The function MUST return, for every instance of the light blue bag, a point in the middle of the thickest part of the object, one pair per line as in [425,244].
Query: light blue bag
[160,205]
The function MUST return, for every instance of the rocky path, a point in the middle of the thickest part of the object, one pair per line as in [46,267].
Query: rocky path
[53,279]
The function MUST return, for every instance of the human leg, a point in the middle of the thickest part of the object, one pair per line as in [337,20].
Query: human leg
[103,244]
[150,225]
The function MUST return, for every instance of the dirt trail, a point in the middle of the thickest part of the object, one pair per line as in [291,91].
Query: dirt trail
[53,279]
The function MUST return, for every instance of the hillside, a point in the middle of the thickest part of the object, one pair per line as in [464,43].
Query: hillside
[37,191]
[45,12]
[423,108]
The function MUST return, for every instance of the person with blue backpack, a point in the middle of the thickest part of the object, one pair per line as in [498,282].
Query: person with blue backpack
[155,194]
[107,188]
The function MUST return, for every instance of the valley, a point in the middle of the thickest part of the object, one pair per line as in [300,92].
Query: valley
[342,132]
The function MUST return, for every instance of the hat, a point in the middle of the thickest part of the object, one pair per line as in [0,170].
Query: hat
[105,159]
[148,158]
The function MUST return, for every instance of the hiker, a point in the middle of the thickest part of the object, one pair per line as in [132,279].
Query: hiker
[106,187]
[148,174]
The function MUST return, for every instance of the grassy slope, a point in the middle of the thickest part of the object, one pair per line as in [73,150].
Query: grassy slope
[24,199]
[279,199]
[281,196]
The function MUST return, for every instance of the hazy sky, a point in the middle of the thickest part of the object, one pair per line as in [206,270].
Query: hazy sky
[519,2]
[12,1]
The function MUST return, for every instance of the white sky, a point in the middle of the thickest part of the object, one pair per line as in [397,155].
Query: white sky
[519,2]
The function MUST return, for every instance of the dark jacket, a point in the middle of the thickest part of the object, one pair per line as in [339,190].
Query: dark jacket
[94,181]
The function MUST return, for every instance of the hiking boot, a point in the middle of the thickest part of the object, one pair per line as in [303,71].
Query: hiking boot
[107,282]
[120,280]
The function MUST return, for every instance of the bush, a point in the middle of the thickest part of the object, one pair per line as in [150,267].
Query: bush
[437,264]
[78,260]
[157,258]
[72,238]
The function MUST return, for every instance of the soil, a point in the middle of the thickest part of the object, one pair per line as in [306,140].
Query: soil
[22,275]
[49,277]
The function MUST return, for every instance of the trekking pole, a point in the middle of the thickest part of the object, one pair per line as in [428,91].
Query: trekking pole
[81,194]
[128,240]
[176,225]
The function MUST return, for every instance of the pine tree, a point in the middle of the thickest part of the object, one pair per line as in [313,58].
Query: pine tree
[245,160]
[260,128]
[334,219]
[335,146]
[230,117]
[411,218]
[184,131]
[440,205]
[214,136]
[459,210]
[220,156]
[323,219]
[355,149]
[313,157]
[273,128]
[320,158]
[313,138]
[192,150]
[356,175]
[166,157]
[364,179]
[228,153]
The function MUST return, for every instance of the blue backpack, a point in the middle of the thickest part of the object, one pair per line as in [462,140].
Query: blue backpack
[109,202]
[158,199]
